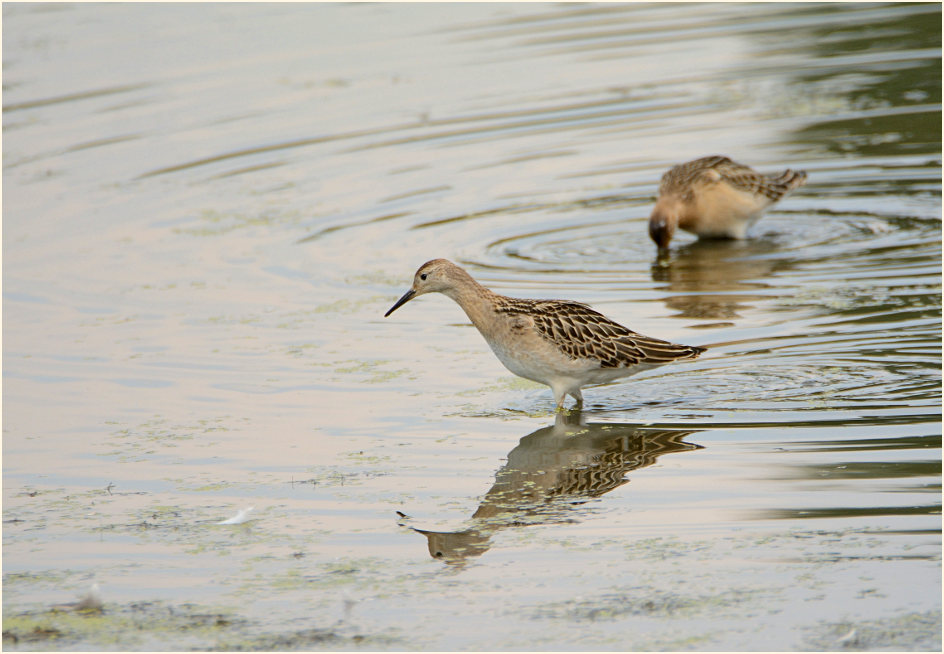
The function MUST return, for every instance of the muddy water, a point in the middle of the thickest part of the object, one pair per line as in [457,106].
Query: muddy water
[208,208]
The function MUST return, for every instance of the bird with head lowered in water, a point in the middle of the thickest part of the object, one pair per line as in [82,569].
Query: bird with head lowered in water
[714,197]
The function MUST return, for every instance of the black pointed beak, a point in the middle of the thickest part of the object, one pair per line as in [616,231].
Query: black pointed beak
[403,300]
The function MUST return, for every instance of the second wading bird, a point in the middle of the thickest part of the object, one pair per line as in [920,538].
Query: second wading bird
[566,345]
[714,197]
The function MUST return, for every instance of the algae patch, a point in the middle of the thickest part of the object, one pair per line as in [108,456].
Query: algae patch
[505,384]
[134,626]
[642,601]
[211,222]
[368,371]
[908,633]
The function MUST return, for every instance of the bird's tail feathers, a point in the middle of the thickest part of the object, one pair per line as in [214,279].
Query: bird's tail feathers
[776,187]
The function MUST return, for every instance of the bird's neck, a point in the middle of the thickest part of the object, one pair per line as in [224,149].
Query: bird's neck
[478,303]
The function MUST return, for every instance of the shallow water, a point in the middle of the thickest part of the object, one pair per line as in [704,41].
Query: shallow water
[208,208]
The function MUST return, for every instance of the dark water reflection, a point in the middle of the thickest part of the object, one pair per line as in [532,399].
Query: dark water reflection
[909,476]
[717,280]
[552,472]
[897,97]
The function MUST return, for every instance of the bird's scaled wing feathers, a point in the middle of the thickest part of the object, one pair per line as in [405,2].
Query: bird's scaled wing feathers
[746,179]
[583,333]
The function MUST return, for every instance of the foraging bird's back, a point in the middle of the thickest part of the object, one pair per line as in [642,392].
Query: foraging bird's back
[714,197]
[565,345]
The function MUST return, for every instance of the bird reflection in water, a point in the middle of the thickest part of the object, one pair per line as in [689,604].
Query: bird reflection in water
[717,280]
[553,471]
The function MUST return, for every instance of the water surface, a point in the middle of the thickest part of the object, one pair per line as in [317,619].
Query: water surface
[209,207]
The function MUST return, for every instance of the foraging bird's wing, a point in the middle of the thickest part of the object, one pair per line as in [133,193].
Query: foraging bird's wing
[582,333]
[680,179]
[746,179]
[709,171]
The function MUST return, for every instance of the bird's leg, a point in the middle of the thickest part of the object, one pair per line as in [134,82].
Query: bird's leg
[579,397]
[559,396]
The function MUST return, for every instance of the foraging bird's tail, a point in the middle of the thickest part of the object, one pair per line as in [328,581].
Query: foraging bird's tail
[776,187]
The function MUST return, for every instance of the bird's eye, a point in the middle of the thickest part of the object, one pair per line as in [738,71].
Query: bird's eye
[423,277]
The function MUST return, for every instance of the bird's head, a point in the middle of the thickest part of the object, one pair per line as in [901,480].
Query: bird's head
[662,225]
[436,276]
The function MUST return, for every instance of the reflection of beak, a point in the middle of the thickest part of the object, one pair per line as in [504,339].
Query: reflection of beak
[403,300]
